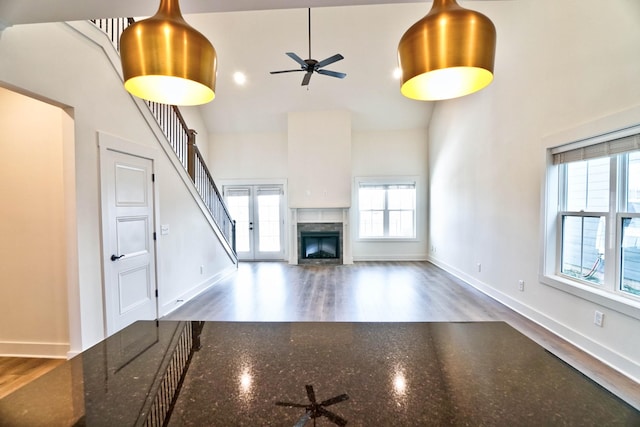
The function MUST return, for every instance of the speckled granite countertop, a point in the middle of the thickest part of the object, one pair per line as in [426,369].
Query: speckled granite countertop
[395,374]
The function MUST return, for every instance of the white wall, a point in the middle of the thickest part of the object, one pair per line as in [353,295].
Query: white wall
[33,248]
[248,155]
[564,64]
[260,156]
[392,154]
[319,159]
[88,81]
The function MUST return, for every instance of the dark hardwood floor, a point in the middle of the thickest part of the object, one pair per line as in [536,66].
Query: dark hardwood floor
[376,292]
[362,292]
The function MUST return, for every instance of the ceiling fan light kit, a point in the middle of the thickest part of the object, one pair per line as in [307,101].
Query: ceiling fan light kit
[309,66]
[447,54]
[166,60]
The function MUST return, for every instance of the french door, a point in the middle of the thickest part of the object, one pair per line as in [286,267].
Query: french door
[258,212]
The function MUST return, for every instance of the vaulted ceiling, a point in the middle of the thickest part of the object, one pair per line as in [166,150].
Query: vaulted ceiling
[252,36]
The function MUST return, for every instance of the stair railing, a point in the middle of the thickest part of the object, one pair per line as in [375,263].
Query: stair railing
[183,142]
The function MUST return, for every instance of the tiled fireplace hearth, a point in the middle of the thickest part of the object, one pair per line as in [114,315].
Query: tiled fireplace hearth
[320,236]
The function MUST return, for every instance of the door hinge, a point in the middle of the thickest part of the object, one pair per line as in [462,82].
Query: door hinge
[156,293]
[153,177]
[154,235]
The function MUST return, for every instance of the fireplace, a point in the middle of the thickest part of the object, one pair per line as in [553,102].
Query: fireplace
[320,243]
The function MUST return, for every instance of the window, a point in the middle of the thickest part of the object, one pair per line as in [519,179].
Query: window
[630,224]
[586,203]
[387,210]
[594,228]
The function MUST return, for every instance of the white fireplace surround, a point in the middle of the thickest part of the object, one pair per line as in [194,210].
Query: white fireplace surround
[320,215]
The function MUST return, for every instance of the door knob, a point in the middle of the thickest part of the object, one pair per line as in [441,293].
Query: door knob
[116,257]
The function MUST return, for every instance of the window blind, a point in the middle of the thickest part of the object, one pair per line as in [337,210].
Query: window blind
[387,186]
[580,151]
[269,191]
[237,192]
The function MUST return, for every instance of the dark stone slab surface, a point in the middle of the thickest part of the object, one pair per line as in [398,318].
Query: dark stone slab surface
[395,374]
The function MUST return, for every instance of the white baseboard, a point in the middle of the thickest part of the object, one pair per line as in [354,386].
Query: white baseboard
[172,305]
[620,363]
[34,349]
[391,257]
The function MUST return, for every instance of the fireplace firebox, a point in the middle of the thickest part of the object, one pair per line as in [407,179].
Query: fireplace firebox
[320,243]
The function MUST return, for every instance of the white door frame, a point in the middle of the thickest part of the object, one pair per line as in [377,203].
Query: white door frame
[107,142]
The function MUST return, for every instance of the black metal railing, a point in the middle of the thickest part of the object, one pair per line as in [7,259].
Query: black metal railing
[183,143]
[113,28]
[209,191]
[174,128]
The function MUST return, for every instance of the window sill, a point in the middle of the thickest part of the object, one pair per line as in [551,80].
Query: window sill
[627,306]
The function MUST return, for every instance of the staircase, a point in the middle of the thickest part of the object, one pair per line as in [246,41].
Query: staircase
[183,142]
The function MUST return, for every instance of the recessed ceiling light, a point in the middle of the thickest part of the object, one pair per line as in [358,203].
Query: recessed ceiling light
[397,73]
[240,78]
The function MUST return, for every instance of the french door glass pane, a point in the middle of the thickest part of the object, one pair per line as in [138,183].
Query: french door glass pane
[269,217]
[239,210]
[588,185]
[630,277]
[633,182]
[583,247]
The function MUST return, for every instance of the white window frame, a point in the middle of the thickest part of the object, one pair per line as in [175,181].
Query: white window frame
[386,181]
[608,293]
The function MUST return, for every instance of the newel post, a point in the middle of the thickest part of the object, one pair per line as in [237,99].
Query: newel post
[191,154]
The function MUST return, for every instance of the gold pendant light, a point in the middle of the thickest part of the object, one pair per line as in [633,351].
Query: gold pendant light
[448,53]
[167,61]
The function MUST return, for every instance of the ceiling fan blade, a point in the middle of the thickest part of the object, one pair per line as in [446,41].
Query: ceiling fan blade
[334,400]
[297,59]
[332,73]
[291,405]
[305,81]
[310,393]
[335,418]
[330,60]
[285,71]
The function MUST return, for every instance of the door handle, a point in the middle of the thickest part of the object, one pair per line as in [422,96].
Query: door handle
[116,257]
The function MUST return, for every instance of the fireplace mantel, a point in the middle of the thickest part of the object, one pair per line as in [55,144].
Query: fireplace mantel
[321,214]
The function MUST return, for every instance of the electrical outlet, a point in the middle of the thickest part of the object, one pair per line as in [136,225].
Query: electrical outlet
[521,285]
[202,269]
[479,267]
[433,249]
[598,318]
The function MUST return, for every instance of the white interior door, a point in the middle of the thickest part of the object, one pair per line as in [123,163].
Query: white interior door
[129,258]
[258,212]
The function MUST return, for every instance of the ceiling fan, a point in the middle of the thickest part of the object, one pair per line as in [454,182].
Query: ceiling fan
[309,66]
